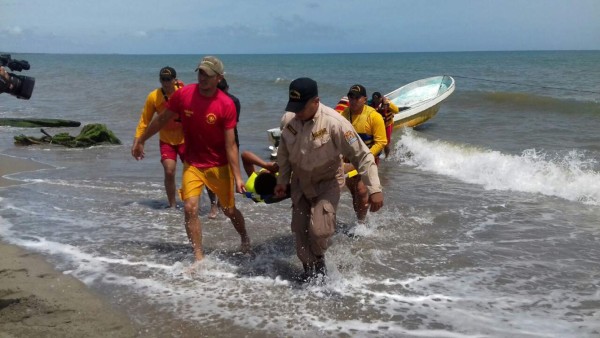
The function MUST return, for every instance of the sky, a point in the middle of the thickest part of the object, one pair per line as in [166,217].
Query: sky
[325,26]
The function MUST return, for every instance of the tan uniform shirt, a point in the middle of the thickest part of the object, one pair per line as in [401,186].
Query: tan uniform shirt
[311,150]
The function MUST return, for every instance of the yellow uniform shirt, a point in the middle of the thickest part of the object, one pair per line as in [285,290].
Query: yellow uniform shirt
[370,127]
[172,133]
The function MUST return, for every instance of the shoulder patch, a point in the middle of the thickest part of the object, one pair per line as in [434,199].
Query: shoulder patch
[350,136]
[291,129]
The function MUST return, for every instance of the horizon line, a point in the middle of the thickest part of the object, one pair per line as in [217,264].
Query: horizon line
[313,53]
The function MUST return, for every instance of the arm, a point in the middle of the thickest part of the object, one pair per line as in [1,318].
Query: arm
[232,157]
[160,121]
[361,158]
[285,168]
[250,159]
[379,136]
[392,107]
[145,118]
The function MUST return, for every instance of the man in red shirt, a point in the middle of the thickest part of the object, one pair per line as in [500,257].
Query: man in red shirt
[208,118]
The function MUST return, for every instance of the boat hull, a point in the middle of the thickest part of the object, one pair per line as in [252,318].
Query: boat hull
[417,118]
[420,100]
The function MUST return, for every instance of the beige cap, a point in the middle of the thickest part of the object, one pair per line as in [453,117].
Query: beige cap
[211,66]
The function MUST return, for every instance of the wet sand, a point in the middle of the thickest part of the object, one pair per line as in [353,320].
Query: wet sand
[11,165]
[38,301]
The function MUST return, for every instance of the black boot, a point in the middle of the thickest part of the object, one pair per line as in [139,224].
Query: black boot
[308,274]
[320,268]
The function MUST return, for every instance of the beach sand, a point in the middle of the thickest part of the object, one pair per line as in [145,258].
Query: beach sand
[38,301]
[11,165]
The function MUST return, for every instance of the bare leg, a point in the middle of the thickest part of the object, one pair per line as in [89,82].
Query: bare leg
[386,151]
[169,167]
[214,206]
[193,227]
[360,197]
[237,219]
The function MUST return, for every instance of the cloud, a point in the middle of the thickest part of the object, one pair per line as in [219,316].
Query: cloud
[140,34]
[16,30]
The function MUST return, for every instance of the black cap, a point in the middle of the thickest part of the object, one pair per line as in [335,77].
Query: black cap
[301,91]
[376,95]
[357,90]
[168,72]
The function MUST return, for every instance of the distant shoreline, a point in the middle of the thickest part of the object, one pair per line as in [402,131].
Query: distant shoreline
[322,53]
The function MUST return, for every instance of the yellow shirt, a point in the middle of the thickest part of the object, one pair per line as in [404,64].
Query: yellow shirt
[172,133]
[370,127]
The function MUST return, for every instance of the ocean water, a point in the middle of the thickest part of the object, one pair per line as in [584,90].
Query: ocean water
[490,226]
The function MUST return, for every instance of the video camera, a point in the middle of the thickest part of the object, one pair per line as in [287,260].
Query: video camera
[17,85]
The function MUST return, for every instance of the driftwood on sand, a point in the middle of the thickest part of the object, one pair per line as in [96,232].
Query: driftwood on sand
[35,123]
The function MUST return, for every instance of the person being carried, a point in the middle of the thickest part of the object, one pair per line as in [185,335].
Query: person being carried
[260,186]
[370,127]
[208,118]
[309,159]
[387,109]
[171,141]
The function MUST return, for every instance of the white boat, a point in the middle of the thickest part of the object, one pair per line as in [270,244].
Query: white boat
[418,101]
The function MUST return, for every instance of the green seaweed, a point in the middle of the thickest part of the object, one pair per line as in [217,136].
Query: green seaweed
[91,135]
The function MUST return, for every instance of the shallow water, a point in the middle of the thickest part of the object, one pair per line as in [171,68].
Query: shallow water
[490,226]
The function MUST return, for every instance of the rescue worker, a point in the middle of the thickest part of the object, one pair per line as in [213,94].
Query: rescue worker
[369,125]
[310,147]
[387,109]
[171,136]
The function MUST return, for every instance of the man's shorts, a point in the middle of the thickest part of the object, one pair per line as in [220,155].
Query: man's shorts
[170,151]
[218,179]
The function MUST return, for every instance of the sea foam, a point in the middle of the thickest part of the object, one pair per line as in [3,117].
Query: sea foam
[569,176]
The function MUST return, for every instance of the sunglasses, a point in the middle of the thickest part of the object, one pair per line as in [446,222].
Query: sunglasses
[166,79]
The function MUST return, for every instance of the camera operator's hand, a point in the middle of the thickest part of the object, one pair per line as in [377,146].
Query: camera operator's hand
[5,83]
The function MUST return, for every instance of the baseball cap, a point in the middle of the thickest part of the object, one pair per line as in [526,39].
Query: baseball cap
[211,66]
[357,90]
[301,91]
[167,72]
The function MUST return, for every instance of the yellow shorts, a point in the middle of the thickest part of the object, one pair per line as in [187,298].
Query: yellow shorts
[218,179]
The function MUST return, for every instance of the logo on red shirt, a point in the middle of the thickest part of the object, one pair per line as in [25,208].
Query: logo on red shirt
[211,118]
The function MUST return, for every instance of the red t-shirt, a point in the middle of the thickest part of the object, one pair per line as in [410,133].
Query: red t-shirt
[204,121]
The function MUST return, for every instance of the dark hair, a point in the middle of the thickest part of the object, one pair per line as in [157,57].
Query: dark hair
[265,183]
[376,95]
[222,84]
